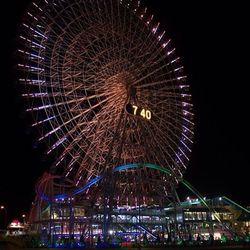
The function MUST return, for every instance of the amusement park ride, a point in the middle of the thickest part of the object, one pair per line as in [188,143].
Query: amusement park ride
[110,97]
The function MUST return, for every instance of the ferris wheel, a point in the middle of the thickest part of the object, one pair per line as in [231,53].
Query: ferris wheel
[106,88]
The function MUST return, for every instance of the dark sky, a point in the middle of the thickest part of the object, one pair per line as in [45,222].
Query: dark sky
[213,43]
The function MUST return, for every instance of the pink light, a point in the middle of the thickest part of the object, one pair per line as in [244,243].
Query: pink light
[32,16]
[37,6]
[160,36]
[170,52]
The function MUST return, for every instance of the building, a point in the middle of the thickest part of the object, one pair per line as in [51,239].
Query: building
[72,218]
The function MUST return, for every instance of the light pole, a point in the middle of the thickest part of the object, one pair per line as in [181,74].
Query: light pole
[24,219]
[3,208]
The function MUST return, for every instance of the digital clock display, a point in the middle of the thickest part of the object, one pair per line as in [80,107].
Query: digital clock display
[138,111]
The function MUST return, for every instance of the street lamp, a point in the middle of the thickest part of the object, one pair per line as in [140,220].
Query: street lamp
[24,220]
[5,217]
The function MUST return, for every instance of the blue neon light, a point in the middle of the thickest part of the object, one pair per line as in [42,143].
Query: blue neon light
[98,178]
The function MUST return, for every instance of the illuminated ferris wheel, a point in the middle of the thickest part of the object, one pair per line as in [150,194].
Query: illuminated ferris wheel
[106,89]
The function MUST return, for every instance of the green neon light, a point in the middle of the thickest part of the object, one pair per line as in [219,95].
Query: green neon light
[46,209]
[186,184]
[192,189]
[236,204]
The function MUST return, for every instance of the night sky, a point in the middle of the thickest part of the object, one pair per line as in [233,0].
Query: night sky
[213,42]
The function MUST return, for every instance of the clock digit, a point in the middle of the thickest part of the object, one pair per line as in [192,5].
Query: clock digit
[148,115]
[143,113]
[135,109]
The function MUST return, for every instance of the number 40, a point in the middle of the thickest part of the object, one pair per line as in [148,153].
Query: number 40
[146,114]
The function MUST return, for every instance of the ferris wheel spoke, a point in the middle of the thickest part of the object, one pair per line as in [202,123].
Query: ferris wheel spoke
[157,61]
[149,74]
[156,57]
[183,114]
[176,79]
[79,137]
[67,102]
[183,138]
[151,138]
[73,118]
[179,127]
[81,63]
[162,136]
[141,37]
[65,137]
[128,37]
[178,122]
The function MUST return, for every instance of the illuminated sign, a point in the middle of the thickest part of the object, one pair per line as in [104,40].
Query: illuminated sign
[138,111]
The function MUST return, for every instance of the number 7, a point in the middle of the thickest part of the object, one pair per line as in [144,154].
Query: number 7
[135,109]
